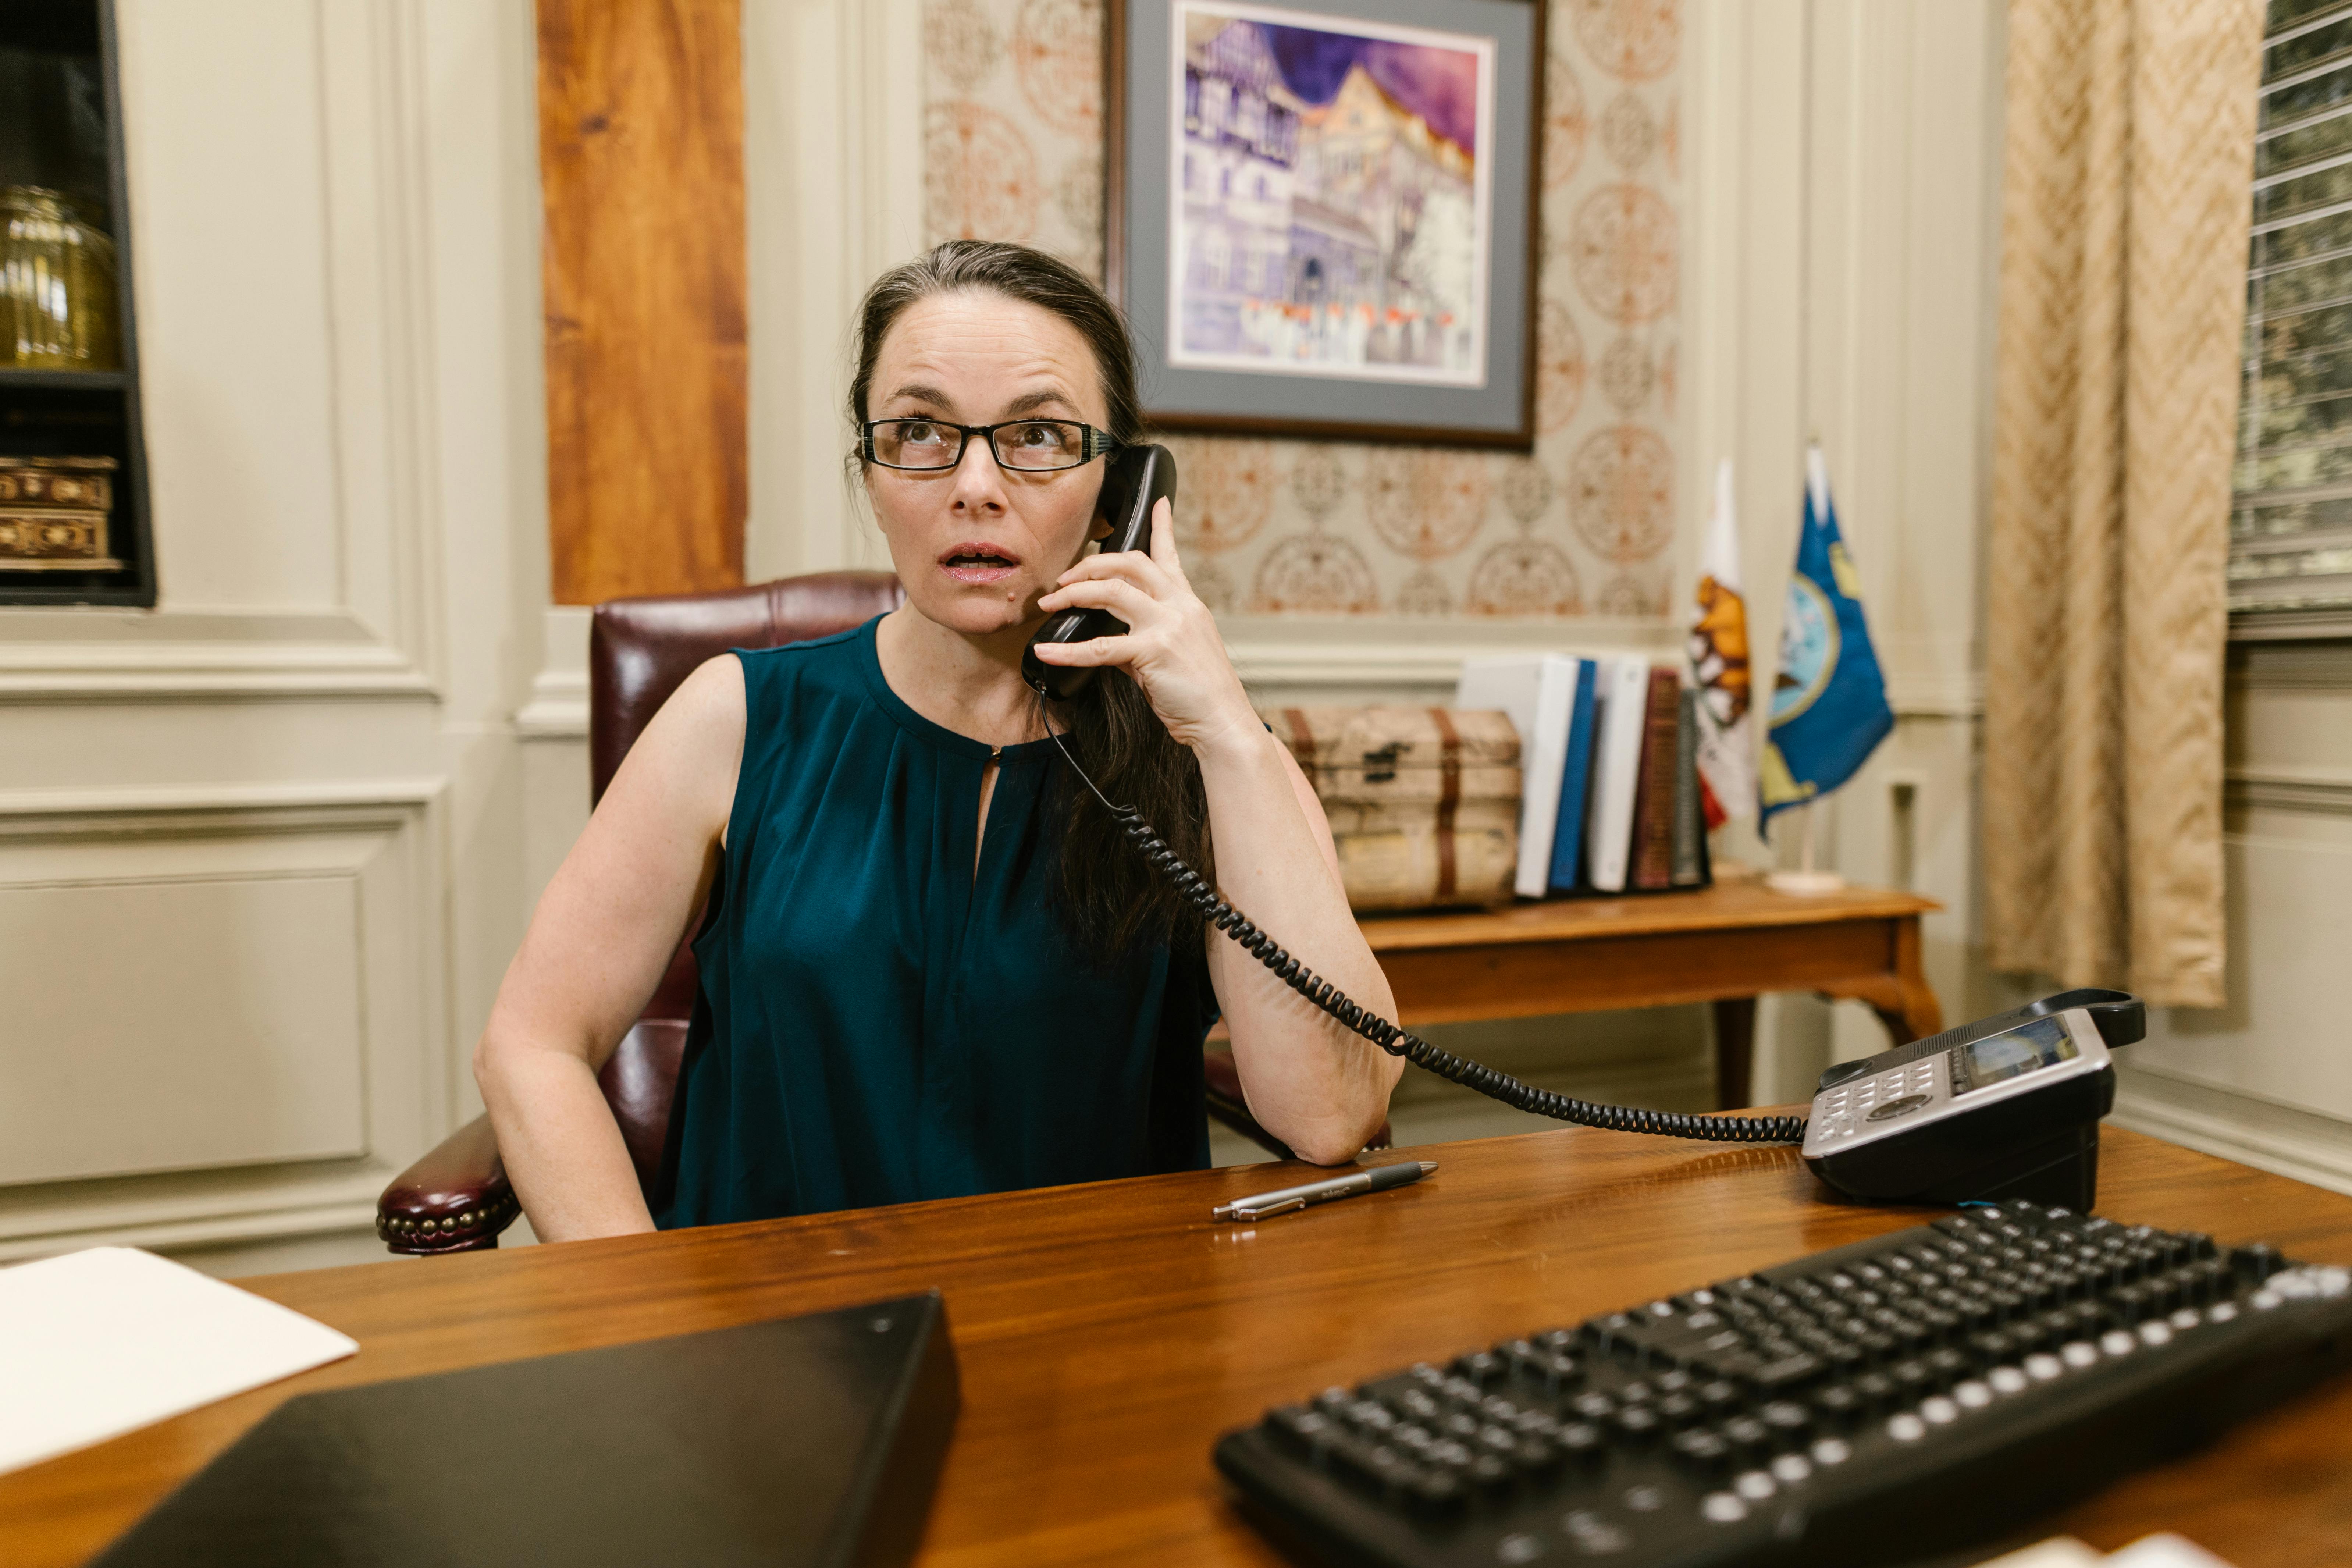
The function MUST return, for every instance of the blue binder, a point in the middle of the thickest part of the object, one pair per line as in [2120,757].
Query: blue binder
[1568,838]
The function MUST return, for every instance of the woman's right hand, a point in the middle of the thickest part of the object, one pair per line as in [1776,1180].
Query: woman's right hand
[604,933]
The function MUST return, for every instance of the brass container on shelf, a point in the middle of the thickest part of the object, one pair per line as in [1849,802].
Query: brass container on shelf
[54,513]
[56,285]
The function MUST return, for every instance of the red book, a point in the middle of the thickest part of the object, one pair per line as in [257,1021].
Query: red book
[1654,797]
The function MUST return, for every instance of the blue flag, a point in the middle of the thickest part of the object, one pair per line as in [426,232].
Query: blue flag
[1829,703]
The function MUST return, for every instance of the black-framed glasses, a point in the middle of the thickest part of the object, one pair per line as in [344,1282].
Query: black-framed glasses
[1031,446]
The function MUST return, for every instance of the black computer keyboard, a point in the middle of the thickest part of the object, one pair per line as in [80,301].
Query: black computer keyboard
[1868,1404]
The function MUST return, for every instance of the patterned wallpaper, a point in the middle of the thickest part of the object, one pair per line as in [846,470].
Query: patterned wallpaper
[1585,526]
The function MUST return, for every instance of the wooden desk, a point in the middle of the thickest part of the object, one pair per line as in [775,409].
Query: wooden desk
[1107,1335]
[1721,944]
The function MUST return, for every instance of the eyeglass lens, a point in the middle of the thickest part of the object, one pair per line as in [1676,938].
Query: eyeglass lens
[1029,444]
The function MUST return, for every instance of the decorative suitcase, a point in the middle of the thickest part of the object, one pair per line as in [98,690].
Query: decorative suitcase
[1423,802]
[54,513]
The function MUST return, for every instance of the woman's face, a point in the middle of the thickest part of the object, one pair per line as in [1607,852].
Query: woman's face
[977,544]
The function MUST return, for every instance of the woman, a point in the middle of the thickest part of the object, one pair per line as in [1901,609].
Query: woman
[932,964]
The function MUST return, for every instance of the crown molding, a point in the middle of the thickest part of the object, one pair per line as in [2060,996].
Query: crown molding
[404,796]
[1959,695]
[2325,790]
[76,656]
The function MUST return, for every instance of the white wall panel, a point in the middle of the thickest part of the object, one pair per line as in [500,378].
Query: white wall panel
[2281,1037]
[334,216]
[159,1025]
[224,139]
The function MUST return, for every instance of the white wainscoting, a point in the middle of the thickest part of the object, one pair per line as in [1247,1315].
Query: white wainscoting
[259,857]
[2266,1078]
[243,982]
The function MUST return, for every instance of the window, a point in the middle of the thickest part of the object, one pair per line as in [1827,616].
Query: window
[2291,520]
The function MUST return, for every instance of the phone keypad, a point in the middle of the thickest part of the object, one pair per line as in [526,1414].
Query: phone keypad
[1846,1109]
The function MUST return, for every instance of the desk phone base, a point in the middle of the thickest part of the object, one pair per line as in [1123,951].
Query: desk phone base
[1925,1389]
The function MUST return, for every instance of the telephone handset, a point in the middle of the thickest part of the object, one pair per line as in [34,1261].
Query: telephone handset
[1137,478]
[2014,1139]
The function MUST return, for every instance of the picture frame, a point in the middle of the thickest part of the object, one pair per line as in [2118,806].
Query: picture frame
[1320,215]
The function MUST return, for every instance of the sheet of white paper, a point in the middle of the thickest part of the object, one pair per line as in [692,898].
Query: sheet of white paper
[2061,1551]
[2164,1552]
[2148,1551]
[95,1343]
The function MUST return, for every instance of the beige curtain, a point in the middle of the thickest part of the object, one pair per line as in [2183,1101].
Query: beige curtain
[2127,195]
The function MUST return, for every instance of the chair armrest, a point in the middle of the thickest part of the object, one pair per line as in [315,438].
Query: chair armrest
[1222,1081]
[454,1199]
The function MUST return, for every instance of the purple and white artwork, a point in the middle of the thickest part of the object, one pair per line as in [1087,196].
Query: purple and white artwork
[1329,204]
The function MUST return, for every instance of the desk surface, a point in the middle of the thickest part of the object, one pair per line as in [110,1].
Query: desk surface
[1106,1334]
[1743,904]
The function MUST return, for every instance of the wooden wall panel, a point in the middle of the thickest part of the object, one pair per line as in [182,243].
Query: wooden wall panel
[641,170]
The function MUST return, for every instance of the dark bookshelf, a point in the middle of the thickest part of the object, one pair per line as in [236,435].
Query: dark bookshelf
[61,128]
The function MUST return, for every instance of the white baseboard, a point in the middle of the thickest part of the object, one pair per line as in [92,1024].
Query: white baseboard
[2281,1139]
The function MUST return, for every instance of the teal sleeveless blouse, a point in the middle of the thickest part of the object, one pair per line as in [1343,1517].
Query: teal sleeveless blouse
[877,1023]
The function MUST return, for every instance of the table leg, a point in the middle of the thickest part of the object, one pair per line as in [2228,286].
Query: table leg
[1903,1000]
[1735,1050]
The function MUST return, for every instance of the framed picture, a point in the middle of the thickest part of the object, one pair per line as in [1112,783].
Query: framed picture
[1321,215]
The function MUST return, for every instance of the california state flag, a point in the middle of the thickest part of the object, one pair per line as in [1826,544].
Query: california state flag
[1719,656]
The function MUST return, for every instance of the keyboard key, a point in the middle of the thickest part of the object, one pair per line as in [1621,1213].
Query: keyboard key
[1306,1428]
[1747,1436]
[1840,1405]
[1638,1424]
[1594,1536]
[1580,1442]
[1704,1451]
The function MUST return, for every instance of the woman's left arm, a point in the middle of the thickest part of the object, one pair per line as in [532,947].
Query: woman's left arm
[1309,1080]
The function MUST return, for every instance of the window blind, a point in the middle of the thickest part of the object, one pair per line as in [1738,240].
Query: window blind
[2291,520]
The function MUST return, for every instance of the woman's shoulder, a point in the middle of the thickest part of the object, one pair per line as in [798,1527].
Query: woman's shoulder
[794,689]
[839,656]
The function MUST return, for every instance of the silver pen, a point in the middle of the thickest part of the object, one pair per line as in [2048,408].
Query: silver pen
[1379,1179]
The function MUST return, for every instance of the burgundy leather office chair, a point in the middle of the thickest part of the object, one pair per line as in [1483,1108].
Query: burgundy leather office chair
[456,1198]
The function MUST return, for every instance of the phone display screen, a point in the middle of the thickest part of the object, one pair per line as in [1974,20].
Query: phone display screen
[2042,1043]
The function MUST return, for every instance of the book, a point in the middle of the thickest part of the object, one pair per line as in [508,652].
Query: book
[1653,792]
[1537,690]
[1575,781]
[1690,825]
[1616,768]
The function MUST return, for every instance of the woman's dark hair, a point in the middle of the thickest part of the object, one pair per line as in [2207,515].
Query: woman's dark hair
[1111,897]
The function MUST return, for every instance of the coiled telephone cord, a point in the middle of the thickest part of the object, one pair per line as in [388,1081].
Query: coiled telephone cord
[1402,1043]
